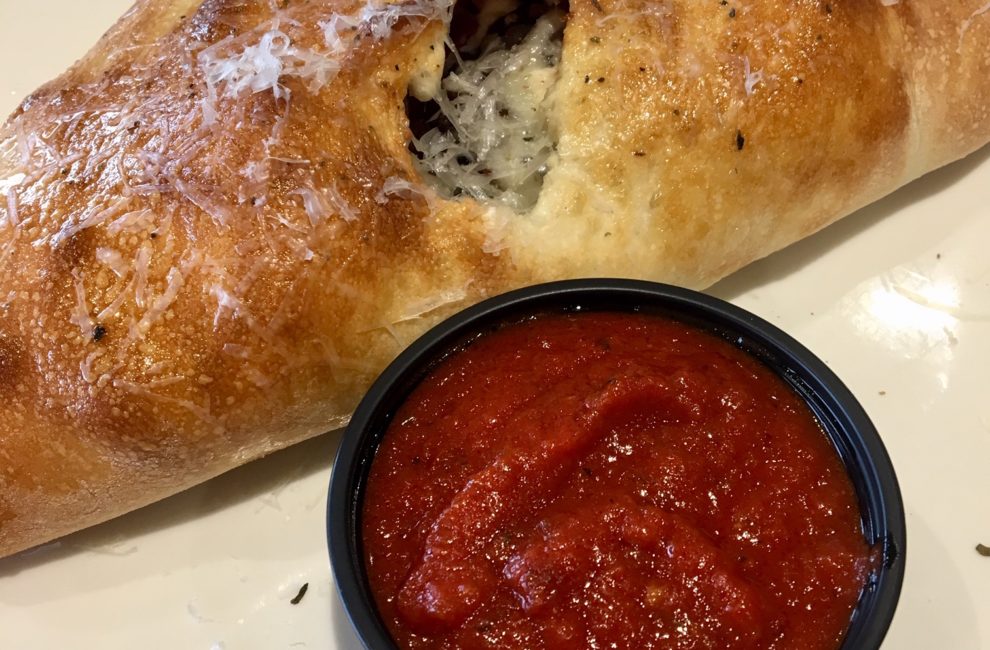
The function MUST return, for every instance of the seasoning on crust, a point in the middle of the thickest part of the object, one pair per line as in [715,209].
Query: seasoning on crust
[213,232]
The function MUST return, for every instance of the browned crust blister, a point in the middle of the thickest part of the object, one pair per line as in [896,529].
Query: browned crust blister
[176,301]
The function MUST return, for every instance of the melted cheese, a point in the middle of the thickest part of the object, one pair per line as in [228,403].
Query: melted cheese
[498,105]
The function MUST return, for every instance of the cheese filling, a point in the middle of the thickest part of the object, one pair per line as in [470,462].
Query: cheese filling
[492,137]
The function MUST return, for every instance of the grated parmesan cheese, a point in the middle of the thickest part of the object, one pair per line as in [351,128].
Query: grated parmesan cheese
[496,223]
[260,67]
[80,314]
[174,281]
[112,258]
[23,144]
[13,218]
[114,307]
[226,302]
[9,185]
[86,366]
[237,351]
[257,378]
[131,222]
[201,412]
[343,207]
[202,198]
[94,217]
[499,105]
[316,207]
[430,304]
[751,78]
[141,263]
[397,186]
[379,18]
[966,24]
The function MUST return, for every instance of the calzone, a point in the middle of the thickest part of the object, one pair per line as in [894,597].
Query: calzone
[219,225]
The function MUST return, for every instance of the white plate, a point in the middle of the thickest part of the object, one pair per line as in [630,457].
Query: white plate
[895,298]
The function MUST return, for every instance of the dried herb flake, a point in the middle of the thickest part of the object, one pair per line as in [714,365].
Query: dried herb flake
[301,594]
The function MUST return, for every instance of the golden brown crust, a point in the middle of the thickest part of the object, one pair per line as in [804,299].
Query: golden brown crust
[657,111]
[194,277]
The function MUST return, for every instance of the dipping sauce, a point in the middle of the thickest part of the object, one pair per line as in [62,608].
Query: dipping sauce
[610,480]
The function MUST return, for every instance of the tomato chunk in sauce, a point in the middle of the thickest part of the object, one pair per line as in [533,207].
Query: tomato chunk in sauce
[609,480]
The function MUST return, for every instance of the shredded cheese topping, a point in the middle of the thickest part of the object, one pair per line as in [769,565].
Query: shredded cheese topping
[379,18]
[141,270]
[80,313]
[751,77]
[261,67]
[9,192]
[966,24]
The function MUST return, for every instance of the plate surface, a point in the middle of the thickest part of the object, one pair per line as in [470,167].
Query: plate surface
[896,298]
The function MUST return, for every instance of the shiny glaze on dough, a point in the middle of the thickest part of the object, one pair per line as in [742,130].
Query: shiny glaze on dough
[205,317]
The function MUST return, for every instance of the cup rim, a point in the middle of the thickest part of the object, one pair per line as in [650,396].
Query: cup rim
[840,414]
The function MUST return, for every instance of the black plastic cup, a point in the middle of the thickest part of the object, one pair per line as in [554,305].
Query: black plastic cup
[841,416]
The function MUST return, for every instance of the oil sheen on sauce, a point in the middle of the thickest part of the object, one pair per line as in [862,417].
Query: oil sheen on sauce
[608,480]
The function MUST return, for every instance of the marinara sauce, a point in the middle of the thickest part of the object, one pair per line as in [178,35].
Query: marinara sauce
[610,480]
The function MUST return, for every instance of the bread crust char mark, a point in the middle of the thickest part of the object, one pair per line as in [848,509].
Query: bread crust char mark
[202,263]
